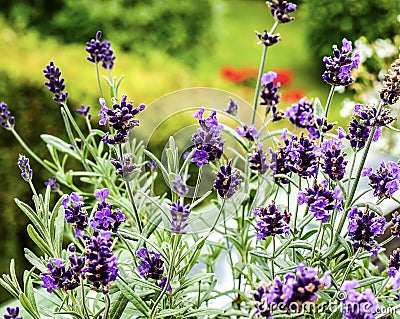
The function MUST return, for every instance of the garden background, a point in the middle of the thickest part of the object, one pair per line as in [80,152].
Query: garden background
[161,47]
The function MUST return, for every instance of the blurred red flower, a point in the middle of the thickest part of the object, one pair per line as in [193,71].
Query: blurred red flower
[293,95]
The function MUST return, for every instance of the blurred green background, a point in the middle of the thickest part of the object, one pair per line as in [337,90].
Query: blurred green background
[161,46]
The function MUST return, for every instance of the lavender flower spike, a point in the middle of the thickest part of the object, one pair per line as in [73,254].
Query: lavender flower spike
[338,67]
[23,164]
[12,313]
[228,181]
[55,83]
[390,92]
[232,107]
[280,10]
[6,119]
[268,39]
[100,51]
[270,221]
[180,214]
[179,186]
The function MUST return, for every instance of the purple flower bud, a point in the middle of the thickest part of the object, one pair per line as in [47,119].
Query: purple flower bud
[55,83]
[280,10]
[179,186]
[228,181]
[232,107]
[248,132]
[6,120]
[270,221]
[84,111]
[268,39]
[12,313]
[100,51]
[180,214]
[52,182]
[23,164]
[390,92]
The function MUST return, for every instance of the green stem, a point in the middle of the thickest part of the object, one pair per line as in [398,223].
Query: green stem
[128,188]
[351,174]
[108,304]
[84,301]
[31,153]
[349,266]
[260,73]
[316,240]
[273,258]
[98,80]
[329,100]
[175,242]
[297,209]
[198,181]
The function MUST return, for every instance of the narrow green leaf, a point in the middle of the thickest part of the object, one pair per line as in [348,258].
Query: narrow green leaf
[260,273]
[38,240]
[59,145]
[23,299]
[171,312]
[370,281]
[203,312]
[59,231]
[35,260]
[132,297]
[28,211]
[318,109]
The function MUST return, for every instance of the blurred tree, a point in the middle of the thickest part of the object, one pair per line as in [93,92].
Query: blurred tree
[331,21]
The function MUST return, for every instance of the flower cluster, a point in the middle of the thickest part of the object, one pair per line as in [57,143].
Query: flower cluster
[390,92]
[280,10]
[179,186]
[394,263]
[333,159]
[364,227]
[248,132]
[59,275]
[271,222]
[100,51]
[301,114]
[385,180]
[269,93]
[52,182]
[180,214]
[258,160]
[124,168]
[100,263]
[151,266]
[75,214]
[299,288]
[268,39]
[299,155]
[6,119]
[24,166]
[12,313]
[208,139]
[321,200]
[228,181]
[84,111]
[121,118]
[395,229]
[232,107]
[356,304]
[338,67]
[55,83]
[106,218]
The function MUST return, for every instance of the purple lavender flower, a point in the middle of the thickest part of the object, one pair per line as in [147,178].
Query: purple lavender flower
[59,275]
[232,107]
[121,117]
[100,51]
[52,182]
[55,83]
[268,39]
[280,10]
[299,288]
[394,263]
[248,132]
[338,67]
[301,114]
[75,214]
[323,125]
[298,155]
[126,168]
[333,159]
[258,160]
[179,186]
[369,116]
[357,305]
[270,221]
[358,134]
[364,227]
[208,139]
[152,165]
[269,93]
[385,180]
[395,229]
[101,267]
[390,92]
[23,164]
[151,264]
[84,111]
[228,181]
[12,313]
[321,200]
[6,119]
[180,214]
[106,218]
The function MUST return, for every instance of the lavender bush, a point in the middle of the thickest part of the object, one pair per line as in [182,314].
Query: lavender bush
[301,238]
